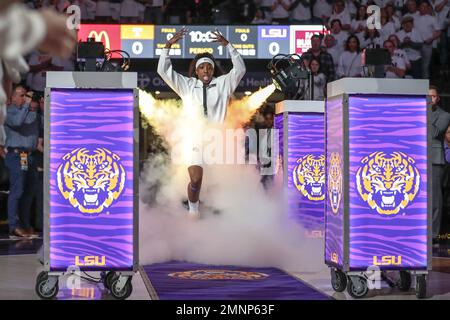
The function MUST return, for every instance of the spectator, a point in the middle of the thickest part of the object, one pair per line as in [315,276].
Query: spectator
[399,52]
[442,9]
[87,9]
[428,27]
[247,11]
[39,158]
[350,59]
[447,145]
[351,7]
[58,5]
[382,3]
[339,35]
[198,12]
[392,17]
[173,11]
[411,41]
[331,48]
[280,14]
[371,39]
[266,7]
[153,11]
[300,11]
[103,12]
[22,30]
[129,11]
[387,26]
[224,11]
[260,17]
[325,58]
[342,14]
[40,63]
[397,68]
[22,130]
[399,6]
[320,80]
[440,121]
[322,10]
[115,10]
[412,11]
[359,24]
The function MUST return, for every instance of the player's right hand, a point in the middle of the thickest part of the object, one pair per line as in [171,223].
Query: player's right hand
[177,36]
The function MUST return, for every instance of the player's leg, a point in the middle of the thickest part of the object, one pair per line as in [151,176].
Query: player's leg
[194,186]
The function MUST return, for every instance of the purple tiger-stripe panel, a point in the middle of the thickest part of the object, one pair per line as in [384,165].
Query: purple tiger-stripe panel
[306,137]
[334,222]
[388,124]
[91,119]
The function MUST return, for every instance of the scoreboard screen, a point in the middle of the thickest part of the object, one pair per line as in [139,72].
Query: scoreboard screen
[198,40]
[252,42]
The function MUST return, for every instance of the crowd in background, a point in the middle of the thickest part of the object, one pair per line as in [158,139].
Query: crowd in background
[415,32]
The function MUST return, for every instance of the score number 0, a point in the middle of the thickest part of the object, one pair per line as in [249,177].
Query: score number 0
[274,48]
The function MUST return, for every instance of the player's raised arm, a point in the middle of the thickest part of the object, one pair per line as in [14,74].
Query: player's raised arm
[235,75]
[176,81]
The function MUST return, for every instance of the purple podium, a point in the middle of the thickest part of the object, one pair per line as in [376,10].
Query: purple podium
[90,179]
[377,204]
[301,145]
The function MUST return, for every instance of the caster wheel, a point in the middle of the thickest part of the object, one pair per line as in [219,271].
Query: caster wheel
[41,276]
[385,277]
[108,279]
[124,293]
[421,286]
[405,281]
[338,280]
[43,290]
[359,289]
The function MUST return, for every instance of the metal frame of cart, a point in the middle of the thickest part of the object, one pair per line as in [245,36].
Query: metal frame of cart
[117,281]
[355,280]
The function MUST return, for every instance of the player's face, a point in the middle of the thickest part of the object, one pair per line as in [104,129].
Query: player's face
[205,72]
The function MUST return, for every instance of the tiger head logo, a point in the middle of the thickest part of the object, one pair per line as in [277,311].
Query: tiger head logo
[388,183]
[309,177]
[212,274]
[91,180]
[335,181]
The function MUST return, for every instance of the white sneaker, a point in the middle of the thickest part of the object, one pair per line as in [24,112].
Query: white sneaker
[194,214]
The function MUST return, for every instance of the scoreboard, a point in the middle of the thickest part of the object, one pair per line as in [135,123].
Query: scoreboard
[252,42]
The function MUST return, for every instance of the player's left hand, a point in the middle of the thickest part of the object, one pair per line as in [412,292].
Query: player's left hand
[218,37]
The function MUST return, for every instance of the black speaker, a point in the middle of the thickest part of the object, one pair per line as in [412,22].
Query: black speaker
[378,57]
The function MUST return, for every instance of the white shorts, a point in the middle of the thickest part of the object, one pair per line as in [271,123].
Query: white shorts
[195,157]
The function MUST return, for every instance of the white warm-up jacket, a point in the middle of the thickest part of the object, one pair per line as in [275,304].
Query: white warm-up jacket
[190,90]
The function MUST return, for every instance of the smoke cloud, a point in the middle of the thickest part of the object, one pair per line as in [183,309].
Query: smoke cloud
[241,223]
